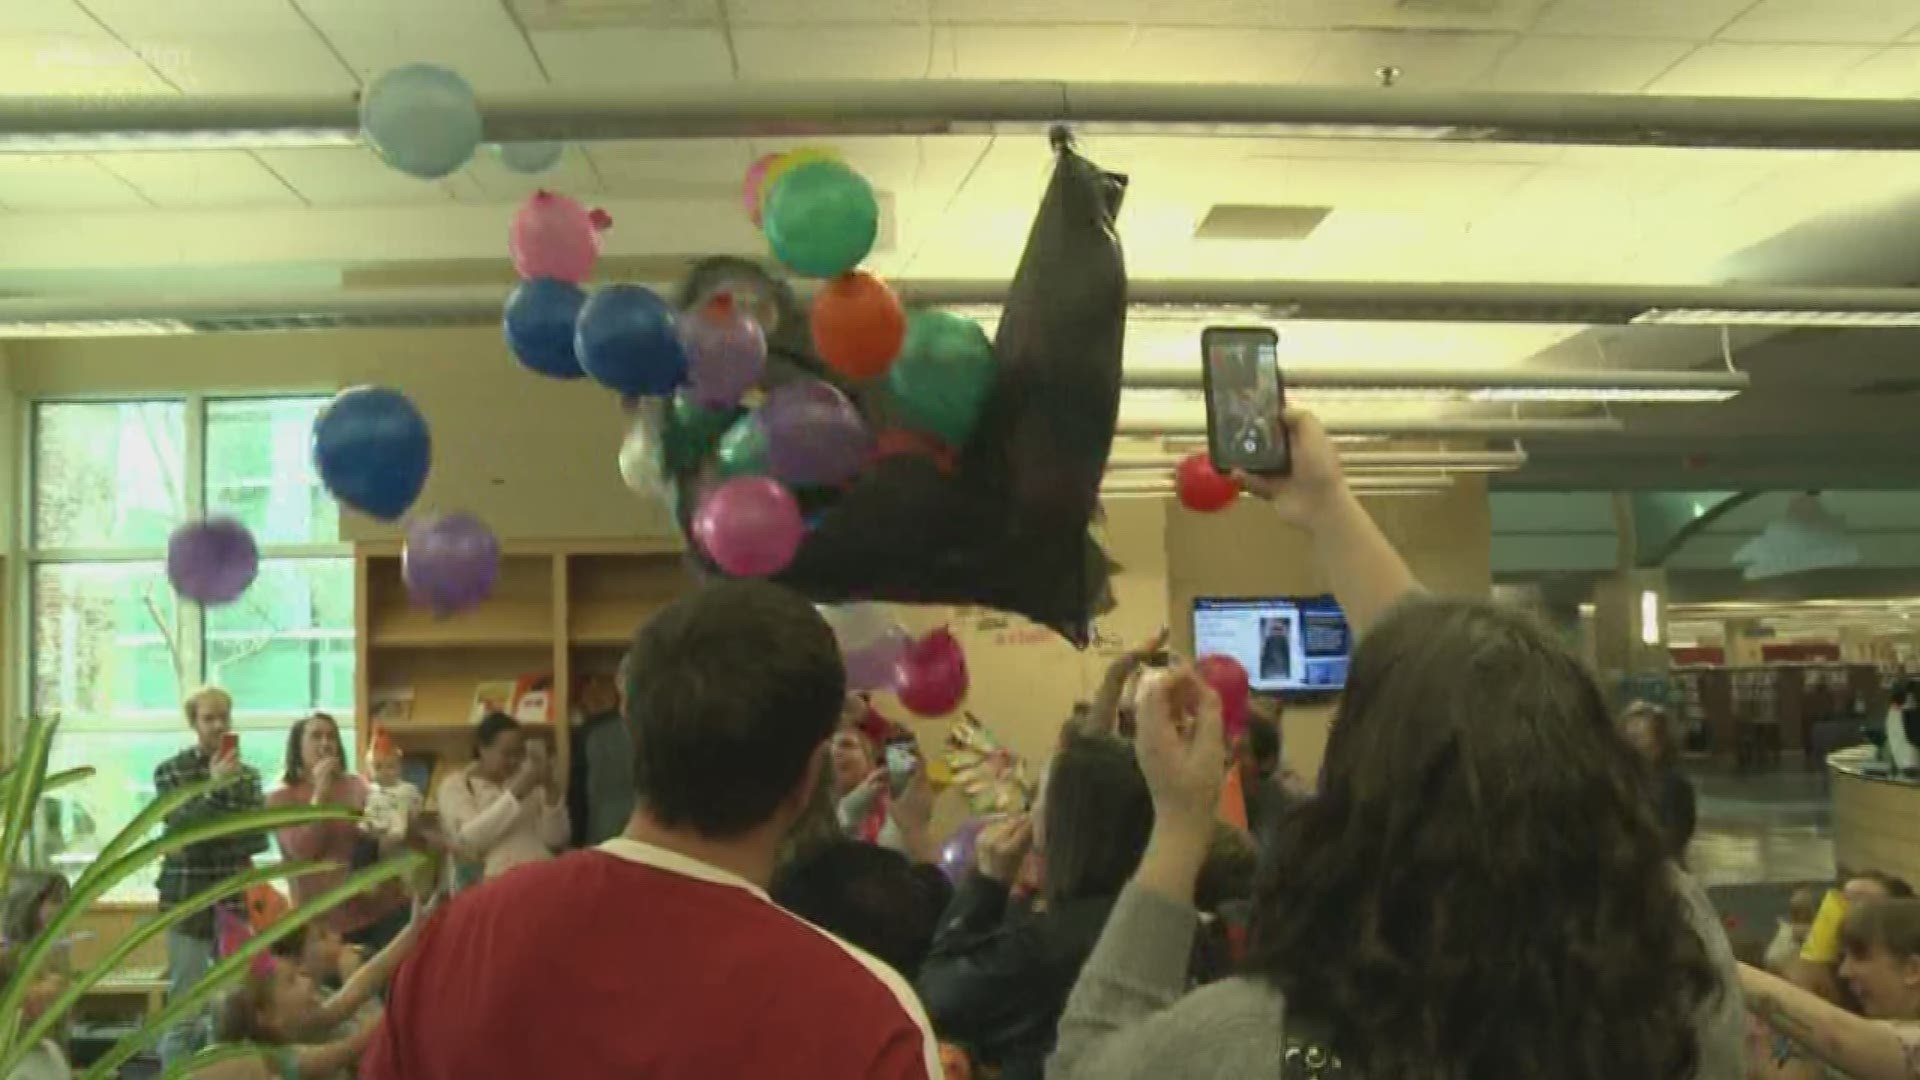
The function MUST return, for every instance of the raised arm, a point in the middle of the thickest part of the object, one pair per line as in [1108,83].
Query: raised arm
[1861,1048]
[1103,716]
[473,828]
[1366,574]
[371,977]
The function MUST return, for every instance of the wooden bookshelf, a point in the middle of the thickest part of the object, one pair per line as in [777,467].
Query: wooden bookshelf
[557,609]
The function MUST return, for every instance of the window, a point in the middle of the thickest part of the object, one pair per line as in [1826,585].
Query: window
[113,650]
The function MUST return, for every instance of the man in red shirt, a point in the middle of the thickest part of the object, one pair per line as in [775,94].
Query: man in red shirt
[658,954]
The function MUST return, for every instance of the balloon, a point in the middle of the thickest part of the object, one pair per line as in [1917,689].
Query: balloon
[554,236]
[958,856]
[743,449]
[931,675]
[372,450]
[539,326]
[814,434]
[212,561]
[753,191]
[449,562]
[726,351]
[1229,680]
[625,339]
[1202,487]
[944,374]
[786,161]
[858,325]
[857,624]
[872,667]
[422,120]
[749,526]
[690,432]
[896,442]
[821,219]
[531,157]
[641,452]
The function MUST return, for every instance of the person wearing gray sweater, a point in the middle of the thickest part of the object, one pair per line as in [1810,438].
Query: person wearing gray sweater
[1477,891]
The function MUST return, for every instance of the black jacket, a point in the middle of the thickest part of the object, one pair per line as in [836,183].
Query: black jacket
[997,980]
[1674,805]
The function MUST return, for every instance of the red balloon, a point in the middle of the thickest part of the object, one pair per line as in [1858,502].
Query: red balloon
[1229,680]
[892,441]
[931,675]
[1201,486]
[858,325]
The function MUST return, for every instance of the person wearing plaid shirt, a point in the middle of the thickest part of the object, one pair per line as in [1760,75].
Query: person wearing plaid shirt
[190,945]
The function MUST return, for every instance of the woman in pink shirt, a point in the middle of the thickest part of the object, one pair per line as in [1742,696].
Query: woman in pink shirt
[317,776]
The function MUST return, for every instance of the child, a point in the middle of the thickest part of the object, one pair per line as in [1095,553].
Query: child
[1785,947]
[322,953]
[391,801]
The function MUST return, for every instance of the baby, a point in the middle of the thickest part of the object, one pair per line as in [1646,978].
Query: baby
[391,802]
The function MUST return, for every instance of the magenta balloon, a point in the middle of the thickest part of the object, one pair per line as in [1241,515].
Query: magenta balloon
[958,854]
[553,236]
[872,667]
[749,526]
[750,194]
[726,352]
[815,437]
[931,675]
[212,561]
[450,562]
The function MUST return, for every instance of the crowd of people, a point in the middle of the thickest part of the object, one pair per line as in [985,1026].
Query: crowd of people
[1486,879]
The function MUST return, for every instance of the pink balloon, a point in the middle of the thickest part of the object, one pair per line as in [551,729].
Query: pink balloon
[749,526]
[931,675]
[750,191]
[553,236]
[1228,679]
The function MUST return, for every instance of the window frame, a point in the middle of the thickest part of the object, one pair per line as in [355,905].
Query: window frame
[192,617]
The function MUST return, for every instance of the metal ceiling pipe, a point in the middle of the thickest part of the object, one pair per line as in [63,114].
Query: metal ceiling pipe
[935,107]
[1491,428]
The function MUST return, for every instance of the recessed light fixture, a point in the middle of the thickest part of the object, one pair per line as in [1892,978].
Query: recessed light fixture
[1753,317]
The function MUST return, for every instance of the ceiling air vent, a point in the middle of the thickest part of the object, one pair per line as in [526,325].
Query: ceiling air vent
[1228,222]
[1889,387]
[537,15]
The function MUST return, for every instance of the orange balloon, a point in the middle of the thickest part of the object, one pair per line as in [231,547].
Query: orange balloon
[858,325]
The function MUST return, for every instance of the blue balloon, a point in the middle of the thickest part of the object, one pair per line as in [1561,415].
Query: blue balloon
[539,326]
[372,450]
[626,340]
[422,120]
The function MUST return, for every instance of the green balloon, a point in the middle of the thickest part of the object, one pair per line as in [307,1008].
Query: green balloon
[821,219]
[743,449]
[690,433]
[943,375]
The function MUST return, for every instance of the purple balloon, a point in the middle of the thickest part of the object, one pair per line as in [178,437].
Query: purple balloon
[212,561]
[815,437]
[871,667]
[449,562]
[726,352]
[957,857]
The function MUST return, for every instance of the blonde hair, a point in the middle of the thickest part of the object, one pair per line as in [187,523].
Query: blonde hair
[191,704]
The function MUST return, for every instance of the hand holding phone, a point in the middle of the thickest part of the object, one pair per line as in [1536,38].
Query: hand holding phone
[1240,369]
[903,760]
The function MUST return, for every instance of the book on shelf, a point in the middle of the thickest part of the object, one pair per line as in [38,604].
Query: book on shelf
[388,705]
[491,696]
[533,699]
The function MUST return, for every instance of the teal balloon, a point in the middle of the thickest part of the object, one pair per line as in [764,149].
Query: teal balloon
[421,119]
[743,449]
[821,219]
[691,433]
[943,375]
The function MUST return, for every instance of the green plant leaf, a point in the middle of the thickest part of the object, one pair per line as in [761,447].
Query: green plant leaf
[221,974]
[22,795]
[145,932]
[65,777]
[144,822]
[102,877]
[214,1055]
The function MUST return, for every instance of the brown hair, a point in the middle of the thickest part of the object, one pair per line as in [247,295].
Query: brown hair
[191,703]
[238,1017]
[1893,925]
[1658,720]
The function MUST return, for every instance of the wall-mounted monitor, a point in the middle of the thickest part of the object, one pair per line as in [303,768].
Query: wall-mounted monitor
[1288,644]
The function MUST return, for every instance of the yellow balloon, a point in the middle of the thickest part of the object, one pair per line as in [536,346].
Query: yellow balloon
[792,159]
[939,773]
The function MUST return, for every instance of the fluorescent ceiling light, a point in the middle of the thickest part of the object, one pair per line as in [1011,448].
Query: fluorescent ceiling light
[1485,384]
[1492,428]
[1362,462]
[1750,317]
[111,142]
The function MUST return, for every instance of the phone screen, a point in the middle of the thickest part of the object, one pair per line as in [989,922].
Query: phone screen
[230,743]
[902,759]
[1244,400]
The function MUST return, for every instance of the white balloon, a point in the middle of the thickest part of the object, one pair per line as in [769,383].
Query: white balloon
[640,452]
[858,624]
[530,157]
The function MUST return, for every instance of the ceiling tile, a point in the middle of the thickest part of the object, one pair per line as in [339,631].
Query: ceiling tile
[1584,65]
[202,178]
[542,16]
[900,51]
[489,179]
[1892,72]
[788,13]
[672,168]
[349,176]
[55,65]
[1743,70]
[1843,21]
[293,63]
[1041,11]
[1195,54]
[1425,61]
[132,19]
[47,17]
[63,182]
[1443,15]
[375,35]
[1696,20]
[1096,53]
[635,57]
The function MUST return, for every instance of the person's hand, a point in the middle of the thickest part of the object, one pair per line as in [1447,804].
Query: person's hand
[1182,747]
[1296,786]
[224,764]
[324,774]
[530,775]
[1003,846]
[912,811]
[1315,483]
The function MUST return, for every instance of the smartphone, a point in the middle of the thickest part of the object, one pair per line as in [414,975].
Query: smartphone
[1240,369]
[229,744]
[903,759]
